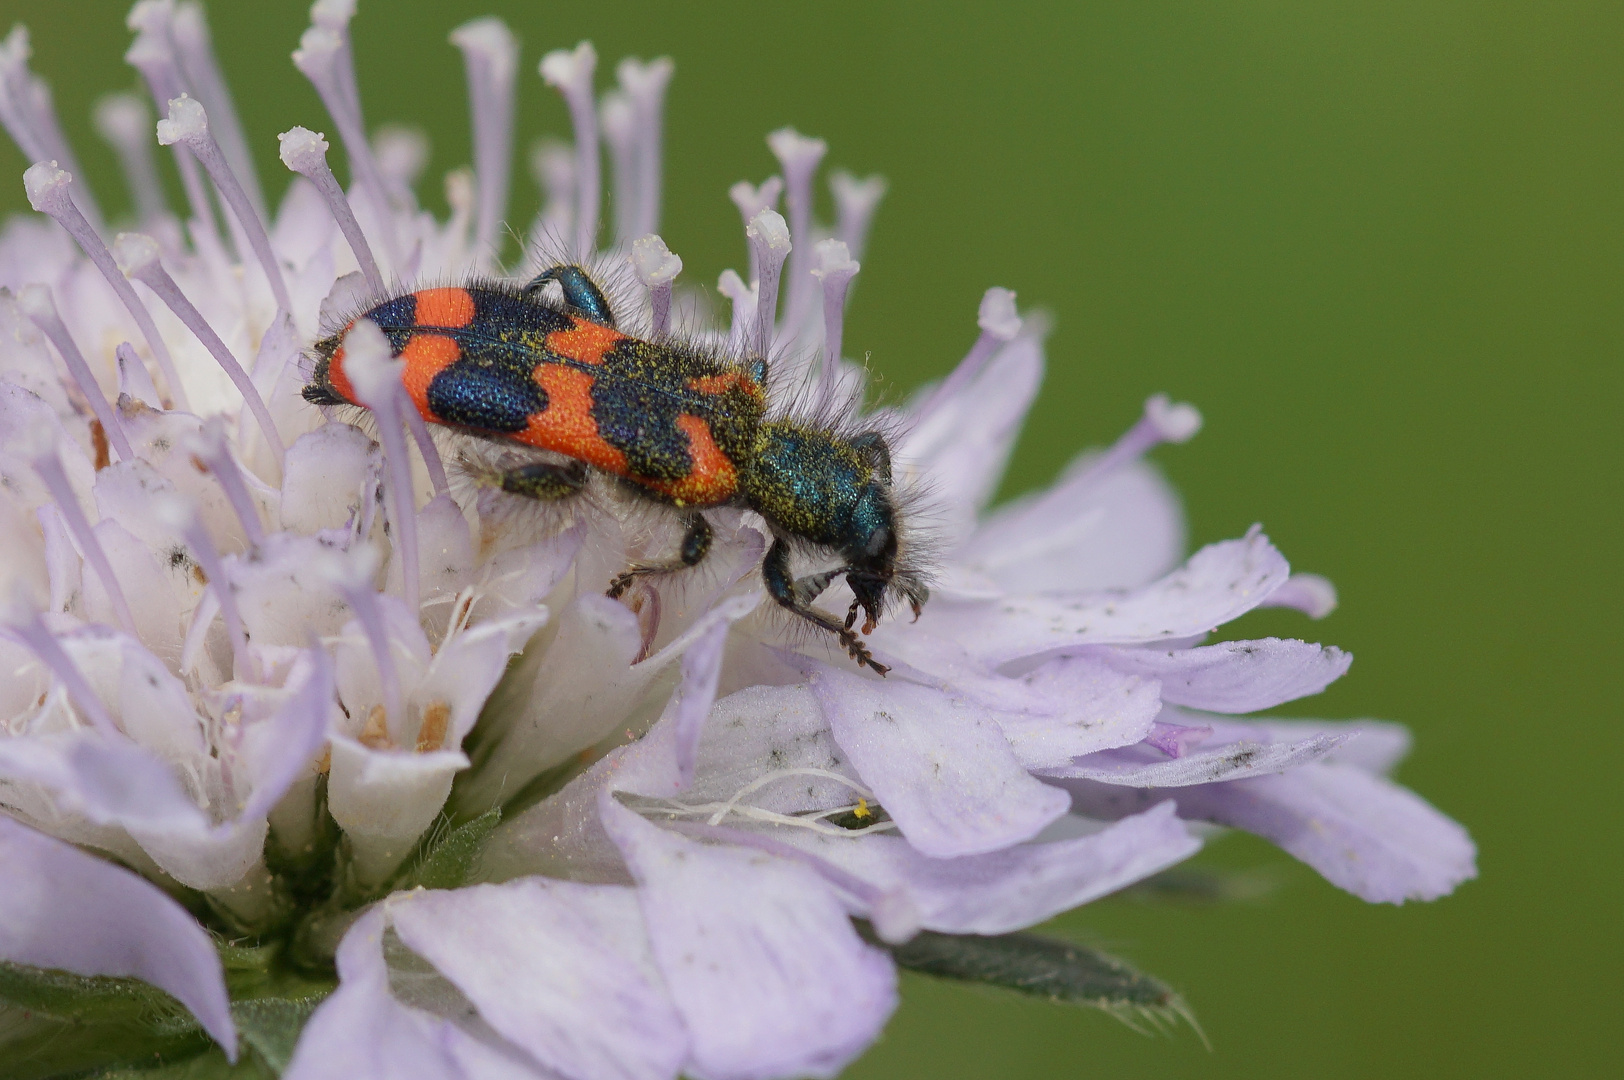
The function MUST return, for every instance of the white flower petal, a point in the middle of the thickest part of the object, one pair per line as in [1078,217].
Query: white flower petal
[964,444]
[1008,890]
[361,1032]
[61,908]
[1220,582]
[1117,531]
[1235,676]
[385,799]
[760,957]
[1147,767]
[941,768]
[326,476]
[560,969]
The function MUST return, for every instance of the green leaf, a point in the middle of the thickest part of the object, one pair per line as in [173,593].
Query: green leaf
[210,1065]
[270,1027]
[448,858]
[1058,971]
[55,1022]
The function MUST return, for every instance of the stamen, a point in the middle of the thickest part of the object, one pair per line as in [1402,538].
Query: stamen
[1000,324]
[35,302]
[752,200]
[767,778]
[769,239]
[28,116]
[834,267]
[552,166]
[429,452]
[151,55]
[353,577]
[376,379]
[1163,422]
[657,267]
[305,152]
[178,515]
[47,188]
[211,447]
[123,120]
[195,51]
[619,118]
[644,85]
[132,376]
[401,153]
[743,296]
[47,463]
[189,123]
[137,256]
[570,73]
[323,57]
[892,912]
[798,157]
[491,55]
[24,622]
[855,202]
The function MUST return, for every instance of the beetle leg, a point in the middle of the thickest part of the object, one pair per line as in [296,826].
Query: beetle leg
[696,544]
[797,596]
[543,481]
[580,292]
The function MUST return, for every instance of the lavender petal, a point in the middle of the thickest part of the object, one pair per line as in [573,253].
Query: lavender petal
[61,908]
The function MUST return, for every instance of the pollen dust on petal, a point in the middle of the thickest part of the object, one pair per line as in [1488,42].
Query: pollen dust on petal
[436,719]
[325,764]
[375,733]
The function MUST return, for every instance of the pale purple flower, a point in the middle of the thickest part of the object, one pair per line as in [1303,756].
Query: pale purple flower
[234,625]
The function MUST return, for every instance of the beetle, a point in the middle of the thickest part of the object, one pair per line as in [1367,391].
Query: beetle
[672,422]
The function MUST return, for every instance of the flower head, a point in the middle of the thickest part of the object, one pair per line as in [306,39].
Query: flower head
[319,678]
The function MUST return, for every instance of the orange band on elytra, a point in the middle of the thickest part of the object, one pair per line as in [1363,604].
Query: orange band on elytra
[450,308]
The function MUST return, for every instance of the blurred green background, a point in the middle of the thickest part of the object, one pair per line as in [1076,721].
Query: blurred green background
[1380,244]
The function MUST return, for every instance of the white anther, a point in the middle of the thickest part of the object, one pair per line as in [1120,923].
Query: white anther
[302,150]
[1175,422]
[187,121]
[135,254]
[47,187]
[655,263]
[855,202]
[832,258]
[332,14]
[656,268]
[998,315]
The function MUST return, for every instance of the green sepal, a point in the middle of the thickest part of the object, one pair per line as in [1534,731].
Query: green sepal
[1047,968]
[446,857]
[55,1023]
